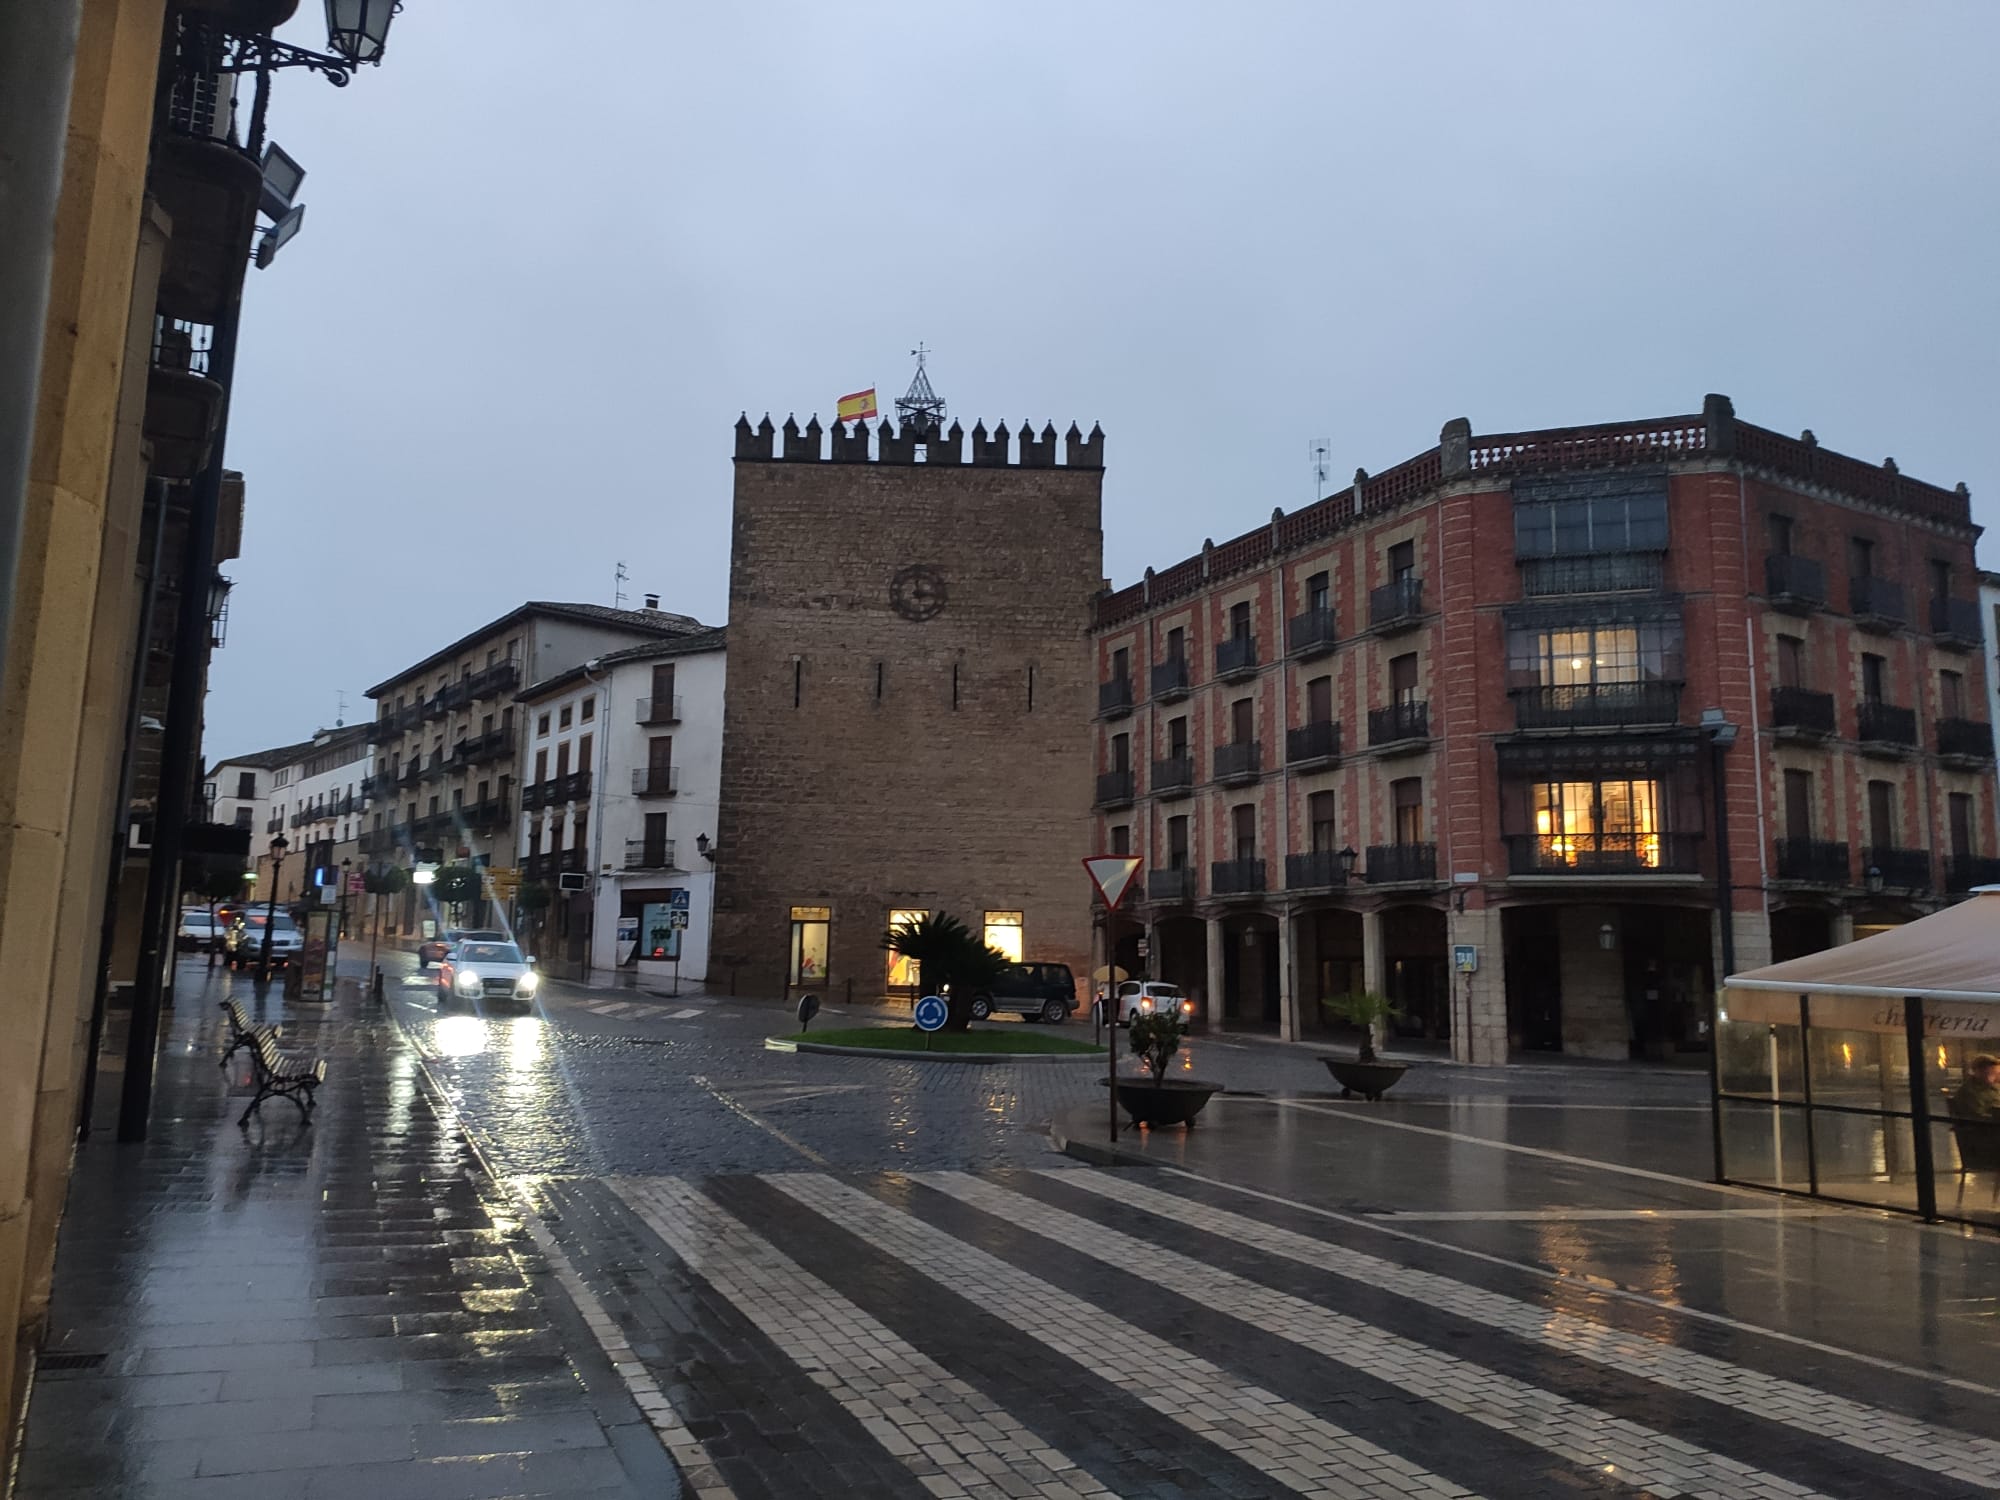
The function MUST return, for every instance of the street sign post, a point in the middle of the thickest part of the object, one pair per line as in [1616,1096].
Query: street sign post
[1114,875]
[932,1012]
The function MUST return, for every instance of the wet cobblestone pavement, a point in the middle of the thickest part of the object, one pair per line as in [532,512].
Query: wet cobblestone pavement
[806,1275]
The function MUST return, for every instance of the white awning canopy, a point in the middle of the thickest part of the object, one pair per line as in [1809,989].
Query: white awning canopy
[1951,956]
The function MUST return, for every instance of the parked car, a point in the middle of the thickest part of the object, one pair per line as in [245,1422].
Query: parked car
[198,931]
[1145,997]
[433,950]
[245,942]
[476,968]
[1039,991]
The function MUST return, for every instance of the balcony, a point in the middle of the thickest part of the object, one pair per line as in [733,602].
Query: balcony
[1114,698]
[378,841]
[1796,585]
[182,399]
[411,774]
[1236,657]
[574,787]
[458,694]
[484,817]
[1170,885]
[409,716]
[434,707]
[1239,762]
[655,781]
[495,744]
[1314,744]
[1320,870]
[1173,777]
[1587,573]
[656,711]
[1170,679]
[431,826]
[1884,729]
[1966,742]
[1396,606]
[1966,872]
[436,767]
[1955,624]
[1877,604]
[1400,728]
[1815,862]
[1310,634]
[1402,864]
[537,795]
[501,677]
[1898,869]
[1236,877]
[649,854]
[1801,714]
[1114,788]
[572,861]
[1597,705]
[1603,854]
[276,824]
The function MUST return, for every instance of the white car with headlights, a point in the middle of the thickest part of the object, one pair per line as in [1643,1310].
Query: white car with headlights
[1146,997]
[492,973]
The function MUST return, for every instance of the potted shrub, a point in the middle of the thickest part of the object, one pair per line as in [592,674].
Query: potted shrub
[1364,1073]
[1160,1100]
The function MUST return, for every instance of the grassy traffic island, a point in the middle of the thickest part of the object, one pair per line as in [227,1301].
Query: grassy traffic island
[998,1044]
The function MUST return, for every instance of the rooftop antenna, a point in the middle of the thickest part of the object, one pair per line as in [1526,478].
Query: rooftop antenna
[618,587]
[1321,462]
[920,408]
[340,708]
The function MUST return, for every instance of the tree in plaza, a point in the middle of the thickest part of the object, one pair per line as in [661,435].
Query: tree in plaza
[380,881]
[456,885]
[952,960]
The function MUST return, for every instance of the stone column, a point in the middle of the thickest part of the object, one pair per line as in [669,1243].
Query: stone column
[1843,927]
[1479,999]
[1374,963]
[1288,983]
[1216,938]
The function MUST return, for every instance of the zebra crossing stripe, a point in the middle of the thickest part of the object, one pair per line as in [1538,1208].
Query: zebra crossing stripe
[1306,1454]
[1975,1460]
[1569,1429]
[907,1402]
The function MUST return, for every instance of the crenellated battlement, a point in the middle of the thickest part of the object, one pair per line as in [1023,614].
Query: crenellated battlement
[851,444]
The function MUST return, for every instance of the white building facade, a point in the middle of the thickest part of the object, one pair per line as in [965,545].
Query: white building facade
[622,770]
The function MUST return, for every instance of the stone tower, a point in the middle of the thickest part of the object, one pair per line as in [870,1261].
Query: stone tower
[908,719]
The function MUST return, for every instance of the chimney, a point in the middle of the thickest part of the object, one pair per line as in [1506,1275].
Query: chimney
[652,601]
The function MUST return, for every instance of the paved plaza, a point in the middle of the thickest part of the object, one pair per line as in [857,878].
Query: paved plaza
[616,1247]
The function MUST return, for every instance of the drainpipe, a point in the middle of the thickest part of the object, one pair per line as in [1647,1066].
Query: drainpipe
[37,61]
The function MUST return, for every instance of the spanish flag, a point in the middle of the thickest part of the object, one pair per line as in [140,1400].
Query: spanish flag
[858,407]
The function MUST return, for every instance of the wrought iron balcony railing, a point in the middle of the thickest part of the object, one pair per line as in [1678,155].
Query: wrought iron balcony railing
[1897,869]
[1170,678]
[1173,777]
[1241,761]
[1802,712]
[1312,744]
[1797,583]
[657,710]
[1815,861]
[1965,739]
[1399,864]
[649,854]
[1597,705]
[1885,724]
[1955,622]
[1396,605]
[1966,872]
[1603,854]
[1320,869]
[1877,601]
[1310,634]
[1593,573]
[1170,885]
[1114,697]
[655,781]
[1114,788]
[1399,723]
[1236,657]
[1236,877]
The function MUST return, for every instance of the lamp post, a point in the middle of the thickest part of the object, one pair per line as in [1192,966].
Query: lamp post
[1348,859]
[341,931]
[278,847]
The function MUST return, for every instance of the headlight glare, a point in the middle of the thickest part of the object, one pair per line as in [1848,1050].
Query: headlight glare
[468,983]
[526,984]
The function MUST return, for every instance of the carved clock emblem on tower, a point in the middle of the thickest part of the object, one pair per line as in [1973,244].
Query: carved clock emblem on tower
[917,592]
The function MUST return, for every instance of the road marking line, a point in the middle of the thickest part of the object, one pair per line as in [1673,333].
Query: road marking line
[1771,1397]
[1305,1453]
[1588,1436]
[682,1015]
[1587,1215]
[730,1104]
[903,1397]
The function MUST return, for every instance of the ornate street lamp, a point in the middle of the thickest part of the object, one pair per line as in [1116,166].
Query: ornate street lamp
[218,608]
[359,29]
[278,848]
[1348,859]
[1874,879]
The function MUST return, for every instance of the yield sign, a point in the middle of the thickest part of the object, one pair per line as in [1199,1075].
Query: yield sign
[1113,875]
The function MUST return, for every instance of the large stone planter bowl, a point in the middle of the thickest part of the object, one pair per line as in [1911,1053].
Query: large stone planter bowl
[1371,1080]
[1175,1102]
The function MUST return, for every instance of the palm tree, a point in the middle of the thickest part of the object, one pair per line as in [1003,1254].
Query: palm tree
[952,960]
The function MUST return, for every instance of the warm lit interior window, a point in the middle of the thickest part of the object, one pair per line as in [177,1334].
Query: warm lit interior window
[902,970]
[1576,658]
[1003,931]
[1585,820]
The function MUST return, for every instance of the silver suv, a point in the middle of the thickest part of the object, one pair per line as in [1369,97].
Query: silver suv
[245,942]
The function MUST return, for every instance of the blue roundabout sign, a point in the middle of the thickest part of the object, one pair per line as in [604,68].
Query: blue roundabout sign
[932,1013]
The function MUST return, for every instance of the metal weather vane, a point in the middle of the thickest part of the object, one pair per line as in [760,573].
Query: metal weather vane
[920,408]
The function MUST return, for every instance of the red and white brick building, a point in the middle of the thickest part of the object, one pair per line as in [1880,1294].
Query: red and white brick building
[1531,695]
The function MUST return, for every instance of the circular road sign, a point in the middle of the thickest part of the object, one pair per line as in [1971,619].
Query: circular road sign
[932,1013]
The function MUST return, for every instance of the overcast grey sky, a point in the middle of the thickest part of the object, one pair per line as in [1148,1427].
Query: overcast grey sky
[552,250]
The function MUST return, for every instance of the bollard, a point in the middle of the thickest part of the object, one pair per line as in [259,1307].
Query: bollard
[377,986]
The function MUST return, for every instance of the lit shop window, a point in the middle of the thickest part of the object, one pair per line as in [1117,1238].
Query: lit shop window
[809,935]
[1003,931]
[902,969]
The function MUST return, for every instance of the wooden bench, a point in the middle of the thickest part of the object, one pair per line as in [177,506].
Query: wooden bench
[281,1077]
[241,1032]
